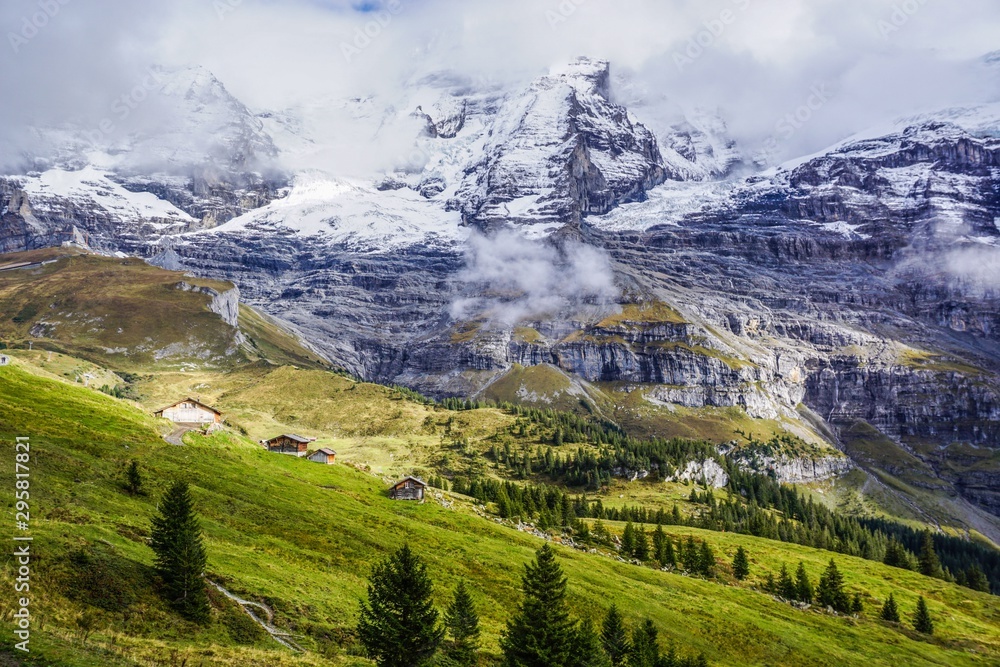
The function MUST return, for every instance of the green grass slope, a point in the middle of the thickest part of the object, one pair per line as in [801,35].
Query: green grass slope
[302,538]
[128,315]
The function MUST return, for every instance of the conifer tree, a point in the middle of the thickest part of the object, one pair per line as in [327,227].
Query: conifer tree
[741,564]
[706,560]
[180,553]
[890,612]
[803,586]
[587,650]
[976,579]
[645,646]
[614,637]
[690,556]
[769,584]
[641,550]
[628,540]
[675,515]
[660,545]
[541,633]
[830,592]
[133,478]
[922,618]
[462,624]
[930,565]
[398,625]
[786,587]
[895,555]
[669,555]
[856,606]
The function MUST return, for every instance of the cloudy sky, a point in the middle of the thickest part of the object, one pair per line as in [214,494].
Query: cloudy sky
[755,60]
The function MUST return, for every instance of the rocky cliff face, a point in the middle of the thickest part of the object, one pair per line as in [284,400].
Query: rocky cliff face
[854,286]
[560,151]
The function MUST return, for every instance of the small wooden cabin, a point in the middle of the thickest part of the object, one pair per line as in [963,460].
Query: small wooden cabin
[324,455]
[190,411]
[408,488]
[288,443]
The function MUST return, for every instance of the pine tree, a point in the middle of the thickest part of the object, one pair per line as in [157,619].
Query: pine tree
[890,612]
[741,564]
[689,556]
[614,637]
[856,606]
[180,553]
[675,515]
[645,646]
[398,625]
[641,550]
[930,565]
[895,555]
[628,540]
[660,545]
[133,478]
[462,624]
[706,560]
[803,586]
[830,592]
[922,618]
[976,579]
[669,555]
[769,584]
[786,587]
[587,650]
[541,633]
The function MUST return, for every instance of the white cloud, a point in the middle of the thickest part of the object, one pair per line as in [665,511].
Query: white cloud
[275,55]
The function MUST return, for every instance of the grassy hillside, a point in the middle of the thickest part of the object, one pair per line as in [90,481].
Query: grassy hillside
[128,315]
[302,537]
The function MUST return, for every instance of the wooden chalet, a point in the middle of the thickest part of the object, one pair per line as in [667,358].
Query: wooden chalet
[324,455]
[190,411]
[408,488]
[288,443]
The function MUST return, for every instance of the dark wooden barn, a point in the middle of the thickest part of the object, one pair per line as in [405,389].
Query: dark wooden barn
[289,443]
[408,488]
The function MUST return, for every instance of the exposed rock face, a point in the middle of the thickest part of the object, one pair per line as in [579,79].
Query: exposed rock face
[225,304]
[561,151]
[708,471]
[853,284]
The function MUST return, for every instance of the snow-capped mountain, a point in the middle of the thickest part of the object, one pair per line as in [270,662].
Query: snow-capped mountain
[846,287]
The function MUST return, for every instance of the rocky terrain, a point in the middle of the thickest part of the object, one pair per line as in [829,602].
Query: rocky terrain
[846,291]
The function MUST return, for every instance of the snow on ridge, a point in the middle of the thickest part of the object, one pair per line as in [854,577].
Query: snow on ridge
[351,214]
[92,185]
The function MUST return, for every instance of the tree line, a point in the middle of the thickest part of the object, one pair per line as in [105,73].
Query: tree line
[797,519]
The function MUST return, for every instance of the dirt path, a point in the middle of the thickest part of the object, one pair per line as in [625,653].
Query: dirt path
[248,606]
[176,437]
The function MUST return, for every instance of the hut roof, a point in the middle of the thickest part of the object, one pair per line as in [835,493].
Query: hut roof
[324,450]
[412,479]
[189,400]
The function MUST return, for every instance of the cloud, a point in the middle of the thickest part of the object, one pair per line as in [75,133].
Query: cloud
[514,279]
[757,62]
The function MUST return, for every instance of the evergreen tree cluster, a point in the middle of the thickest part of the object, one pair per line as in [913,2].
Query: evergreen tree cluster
[399,626]
[830,591]
[922,621]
